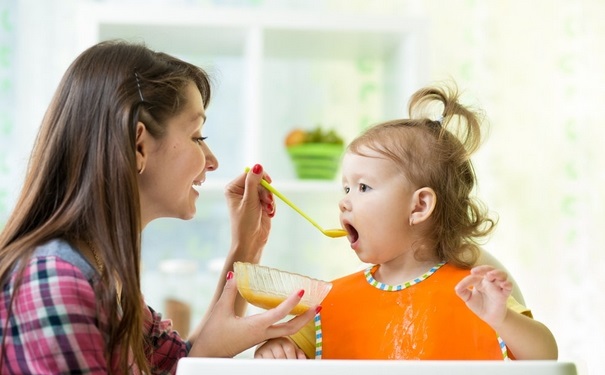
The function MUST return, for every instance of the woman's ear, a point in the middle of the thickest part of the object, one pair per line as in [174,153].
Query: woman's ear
[423,204]
[142,144]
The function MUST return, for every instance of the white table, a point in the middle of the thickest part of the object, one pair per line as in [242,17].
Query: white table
[197,366]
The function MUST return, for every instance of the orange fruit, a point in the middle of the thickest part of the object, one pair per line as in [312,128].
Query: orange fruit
[295,137]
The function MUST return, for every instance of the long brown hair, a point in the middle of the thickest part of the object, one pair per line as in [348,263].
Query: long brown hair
[81,182]
[435,152]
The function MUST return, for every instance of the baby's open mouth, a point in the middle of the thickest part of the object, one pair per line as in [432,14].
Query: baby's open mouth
[353,235]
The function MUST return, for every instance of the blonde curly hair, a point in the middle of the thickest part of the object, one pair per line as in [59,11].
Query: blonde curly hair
[436,153]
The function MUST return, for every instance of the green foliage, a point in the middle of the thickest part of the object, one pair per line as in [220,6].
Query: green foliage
[321,135]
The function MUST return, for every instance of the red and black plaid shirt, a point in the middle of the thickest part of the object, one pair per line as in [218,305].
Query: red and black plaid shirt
[56,326]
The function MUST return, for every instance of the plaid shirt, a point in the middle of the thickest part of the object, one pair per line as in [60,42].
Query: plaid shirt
[56,327]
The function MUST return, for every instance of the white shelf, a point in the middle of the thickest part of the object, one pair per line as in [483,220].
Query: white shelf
[272,71]
[276,70]
[187,15]
[294,186]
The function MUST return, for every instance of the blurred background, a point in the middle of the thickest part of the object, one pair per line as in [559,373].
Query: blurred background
[536,68]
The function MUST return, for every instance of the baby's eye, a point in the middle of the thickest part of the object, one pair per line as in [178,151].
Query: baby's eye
[363,187]
[347,189]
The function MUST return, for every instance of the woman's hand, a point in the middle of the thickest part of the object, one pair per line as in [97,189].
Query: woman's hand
[225,334]
[251,208]
[485,292]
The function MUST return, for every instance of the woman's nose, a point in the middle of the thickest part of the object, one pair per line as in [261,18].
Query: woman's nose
[211,160]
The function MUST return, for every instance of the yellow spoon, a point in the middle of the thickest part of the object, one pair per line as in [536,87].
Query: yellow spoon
[334,233]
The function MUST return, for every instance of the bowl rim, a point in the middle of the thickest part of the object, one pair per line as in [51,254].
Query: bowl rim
[256,265]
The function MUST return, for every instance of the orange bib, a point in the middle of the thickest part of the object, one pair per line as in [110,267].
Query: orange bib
[424,319]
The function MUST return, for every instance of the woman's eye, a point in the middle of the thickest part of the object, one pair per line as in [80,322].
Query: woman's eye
[200,140]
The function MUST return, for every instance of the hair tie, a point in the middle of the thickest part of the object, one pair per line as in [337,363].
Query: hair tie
[435,124]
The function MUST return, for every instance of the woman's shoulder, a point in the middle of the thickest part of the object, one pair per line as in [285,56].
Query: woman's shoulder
[55,311]
[56,268]
[55,275]
[64,256]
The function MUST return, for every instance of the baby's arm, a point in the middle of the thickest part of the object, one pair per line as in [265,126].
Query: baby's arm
[279,348]
[300,345]
[486,291]
[486,258]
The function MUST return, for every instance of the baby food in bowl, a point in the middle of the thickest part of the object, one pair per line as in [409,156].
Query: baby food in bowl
[267,287]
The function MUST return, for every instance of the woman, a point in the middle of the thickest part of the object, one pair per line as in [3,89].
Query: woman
[120,145]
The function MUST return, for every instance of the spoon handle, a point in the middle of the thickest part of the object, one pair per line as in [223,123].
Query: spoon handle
[268,186]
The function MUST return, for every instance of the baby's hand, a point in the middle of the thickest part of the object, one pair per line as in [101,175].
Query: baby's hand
[485,292]
[279,348]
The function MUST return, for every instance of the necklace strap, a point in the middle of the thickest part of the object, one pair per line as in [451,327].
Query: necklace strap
[98,261]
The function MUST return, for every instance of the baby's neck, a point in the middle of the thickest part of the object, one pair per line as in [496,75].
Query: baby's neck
[395,274]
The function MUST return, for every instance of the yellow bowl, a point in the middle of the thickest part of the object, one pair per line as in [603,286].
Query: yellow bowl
[267,287]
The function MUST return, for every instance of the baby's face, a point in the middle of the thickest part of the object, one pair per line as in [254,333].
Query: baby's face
[376,207]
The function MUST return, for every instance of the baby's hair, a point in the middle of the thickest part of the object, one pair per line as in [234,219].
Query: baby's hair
[432,149]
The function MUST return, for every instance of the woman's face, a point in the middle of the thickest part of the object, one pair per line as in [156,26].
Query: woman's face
[175,163]
[376,207]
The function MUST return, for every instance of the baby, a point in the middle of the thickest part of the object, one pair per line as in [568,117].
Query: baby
[408,210]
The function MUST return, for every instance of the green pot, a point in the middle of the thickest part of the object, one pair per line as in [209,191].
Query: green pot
[318,161]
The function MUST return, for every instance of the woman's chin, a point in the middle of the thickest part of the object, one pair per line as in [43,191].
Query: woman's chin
[190,215]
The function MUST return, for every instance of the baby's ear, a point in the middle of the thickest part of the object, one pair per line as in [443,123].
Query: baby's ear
[423,204]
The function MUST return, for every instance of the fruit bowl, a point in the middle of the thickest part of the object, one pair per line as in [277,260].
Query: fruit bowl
[267,287]
[315,154]
[316,160]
